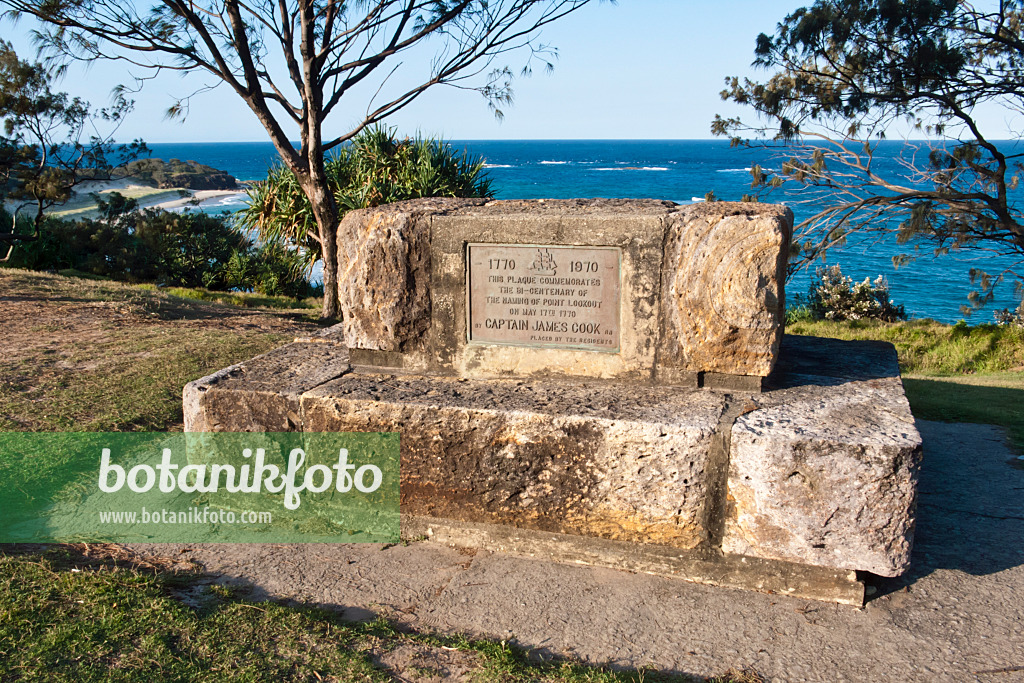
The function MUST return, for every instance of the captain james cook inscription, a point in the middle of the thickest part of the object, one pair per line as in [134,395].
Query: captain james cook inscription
[544,295]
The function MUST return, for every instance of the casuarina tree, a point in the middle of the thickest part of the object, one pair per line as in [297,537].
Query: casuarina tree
[843,73]
[51,142]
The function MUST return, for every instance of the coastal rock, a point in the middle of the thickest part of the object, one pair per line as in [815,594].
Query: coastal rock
[176,174]
[723,279]
[826,482]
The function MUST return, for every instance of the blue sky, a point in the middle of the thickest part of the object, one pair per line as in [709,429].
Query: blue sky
[642,69]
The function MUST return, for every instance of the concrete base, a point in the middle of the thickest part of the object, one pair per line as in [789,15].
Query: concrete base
[698,566]
[789,491]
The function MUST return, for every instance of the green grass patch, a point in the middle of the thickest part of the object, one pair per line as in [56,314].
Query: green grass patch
[926,347]
[73,285]
[242,299]
[996,399]
[60,625]
[62,619]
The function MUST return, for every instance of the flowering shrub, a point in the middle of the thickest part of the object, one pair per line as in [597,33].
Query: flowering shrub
[835,296]
[1008,317]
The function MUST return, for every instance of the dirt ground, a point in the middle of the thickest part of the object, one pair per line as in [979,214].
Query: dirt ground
[91,355]
[73,309]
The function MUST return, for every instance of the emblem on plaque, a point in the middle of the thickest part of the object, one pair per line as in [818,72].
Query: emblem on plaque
[544,263]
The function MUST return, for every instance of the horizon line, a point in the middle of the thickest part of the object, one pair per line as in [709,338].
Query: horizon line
[443,139]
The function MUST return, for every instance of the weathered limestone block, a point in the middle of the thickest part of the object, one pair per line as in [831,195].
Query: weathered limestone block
[584,459]
[262,394]
[825,472]
[723,299]
[384,278]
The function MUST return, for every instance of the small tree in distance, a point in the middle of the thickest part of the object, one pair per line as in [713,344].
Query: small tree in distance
[294,62]
[51,142]
[846,71]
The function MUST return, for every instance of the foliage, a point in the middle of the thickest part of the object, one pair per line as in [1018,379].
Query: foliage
[834,296]
[844,72]
[1007,317]
[295,62]
[190,249]
[272,269]
[376,168]
[49,143]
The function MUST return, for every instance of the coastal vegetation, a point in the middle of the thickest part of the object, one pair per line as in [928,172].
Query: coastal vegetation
[376,168]
[843,75]
[51,143]
[176,174]
[188,249]
[321,56]
[834,296]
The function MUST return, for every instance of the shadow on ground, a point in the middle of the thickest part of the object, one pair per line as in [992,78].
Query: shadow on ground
[969,517]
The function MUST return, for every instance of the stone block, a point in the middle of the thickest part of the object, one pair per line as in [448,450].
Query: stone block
[385,275]
[824,472]
[723,287]
[725,486]
[262,394]
[700,287]
[591,459]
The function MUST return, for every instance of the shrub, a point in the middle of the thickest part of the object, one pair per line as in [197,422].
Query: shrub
[189,249]
[376,168]
[1007,317]
[271,269]
[835,296]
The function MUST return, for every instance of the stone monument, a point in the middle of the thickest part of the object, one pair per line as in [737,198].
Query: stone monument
[604,382]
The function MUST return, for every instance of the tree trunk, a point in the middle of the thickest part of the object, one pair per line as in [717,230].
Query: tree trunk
[325,210]
[329,241]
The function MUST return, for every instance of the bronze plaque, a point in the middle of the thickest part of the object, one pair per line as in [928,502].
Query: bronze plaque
[544,295]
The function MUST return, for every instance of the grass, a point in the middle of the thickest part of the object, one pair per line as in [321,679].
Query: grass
[67,617]
[952,373]
[926,347]
[127,381]
[242,299]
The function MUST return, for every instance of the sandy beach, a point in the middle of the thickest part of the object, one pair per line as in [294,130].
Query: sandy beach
[83,205]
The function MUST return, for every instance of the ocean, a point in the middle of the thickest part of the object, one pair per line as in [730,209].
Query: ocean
[682,171]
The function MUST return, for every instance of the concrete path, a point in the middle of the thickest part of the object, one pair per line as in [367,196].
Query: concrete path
[958,612]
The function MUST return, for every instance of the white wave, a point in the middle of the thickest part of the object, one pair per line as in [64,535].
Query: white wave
[697,199]
[633,168]
[733,170]
[498,166]
[556,163]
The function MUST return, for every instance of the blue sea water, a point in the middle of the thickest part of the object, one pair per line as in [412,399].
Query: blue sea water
[677,170]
